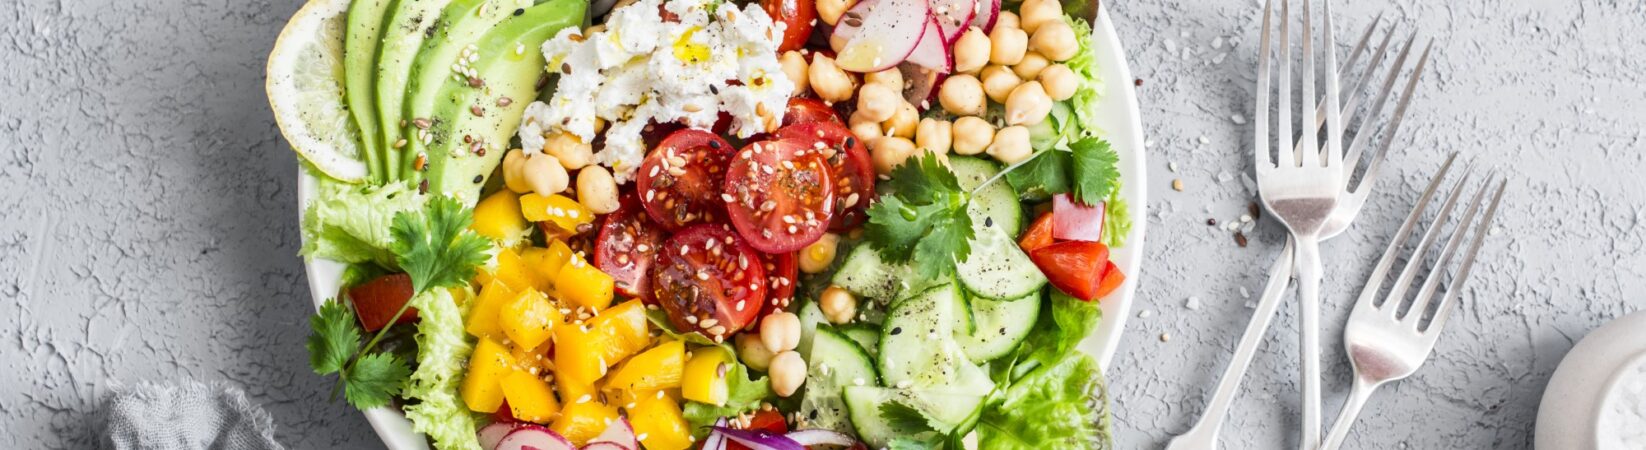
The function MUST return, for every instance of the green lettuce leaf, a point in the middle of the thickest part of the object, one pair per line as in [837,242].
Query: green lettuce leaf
[350,223]
[1058,334]
[1084,63]
[442,353]
[1117,220]
[1056,407]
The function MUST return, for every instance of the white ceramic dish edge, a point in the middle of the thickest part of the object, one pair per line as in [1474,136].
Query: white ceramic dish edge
[1118,116]
[1569,414]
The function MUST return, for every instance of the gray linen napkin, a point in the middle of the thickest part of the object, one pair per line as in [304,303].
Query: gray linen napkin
[186,415]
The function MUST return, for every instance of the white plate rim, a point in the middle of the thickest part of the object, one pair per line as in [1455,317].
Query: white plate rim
[1118,115]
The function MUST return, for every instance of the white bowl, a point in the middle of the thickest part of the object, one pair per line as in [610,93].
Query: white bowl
[1589,375]
[1117,115]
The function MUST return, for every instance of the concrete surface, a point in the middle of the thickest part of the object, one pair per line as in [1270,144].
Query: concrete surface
[149,222]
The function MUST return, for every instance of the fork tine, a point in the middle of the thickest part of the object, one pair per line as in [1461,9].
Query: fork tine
[1360,80]
[1311,143]
[1420,304]
[1334,115]
[1364,133]
[1397,292]
[1261,118]
[1374,283]
[1448,302]
[1284,122]
[1370,178]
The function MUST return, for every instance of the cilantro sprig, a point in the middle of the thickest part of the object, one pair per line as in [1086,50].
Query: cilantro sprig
[437,250]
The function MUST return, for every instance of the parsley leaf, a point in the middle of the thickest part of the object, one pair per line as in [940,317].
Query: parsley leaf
[1095,172]
[904,418]
[334,339]
[923,217]
[436,247]
[375,378]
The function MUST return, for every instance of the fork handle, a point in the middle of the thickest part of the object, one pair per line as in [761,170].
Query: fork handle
[1351,410]
[1308,281]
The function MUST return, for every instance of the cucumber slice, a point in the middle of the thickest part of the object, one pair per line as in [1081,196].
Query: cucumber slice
[865,335]
[996,205]
[998,269]
[866,275]
[1001,326]
[917,347]
[949,409]
[810,316]
[834,363]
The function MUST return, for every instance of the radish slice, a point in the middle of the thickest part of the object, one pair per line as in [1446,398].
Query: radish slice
[1076,222]
[987,12]
[605,446]
[953,16]
[532,437]
[933,50]
[886,34]
[620,433]
[490,435]
[920,84]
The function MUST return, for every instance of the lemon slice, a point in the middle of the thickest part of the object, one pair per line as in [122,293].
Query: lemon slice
[305,87]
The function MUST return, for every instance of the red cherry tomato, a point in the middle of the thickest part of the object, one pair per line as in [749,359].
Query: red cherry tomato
[779,194]
[679,183]
[782,272]
[707,273]
[767,420]
[1039,234]
[377,300]
[798,15]
[849,163]
[1075,267]
[627,245]
[1112,278]
[808,110]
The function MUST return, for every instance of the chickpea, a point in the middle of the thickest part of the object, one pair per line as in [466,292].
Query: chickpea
[838,305]
[780,331]
[1006,45]
[866,131]
[545,174]
[596,189]
[962,95]
[753,352]
[1060,82]
[794,66]
[971,50]
[514,173]
[829,81]
[572,152]
[831,10]
[903,123]
[877,102]
[891,78]
[998,82]
[815,258]
[1030,66]
[972,135]
[1008,19]
[888,152]
[788,372]
[1036,13]
[1011,145]
[1055,40]
[934,135]
[1028,104]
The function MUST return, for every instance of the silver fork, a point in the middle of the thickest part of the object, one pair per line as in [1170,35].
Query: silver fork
[1204,434]
[1385,344]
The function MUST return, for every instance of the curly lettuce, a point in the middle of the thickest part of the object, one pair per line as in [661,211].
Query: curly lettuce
[351,223]
[442,353]
[1055,407]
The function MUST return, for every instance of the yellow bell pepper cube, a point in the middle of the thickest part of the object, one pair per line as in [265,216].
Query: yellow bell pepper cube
[561,211]
[704,379]
[625,330]
[482,387]
[543,263]
[498,217]
[528,359]
[653,370]
[577,359]
[529,319]
[530,398]
[657,417]
[581,283]
[482,320]
[510,269]
[581,421]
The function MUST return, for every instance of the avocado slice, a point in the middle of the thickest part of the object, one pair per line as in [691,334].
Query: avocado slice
[409,23]
[365,31]
[509,66]
[463,23]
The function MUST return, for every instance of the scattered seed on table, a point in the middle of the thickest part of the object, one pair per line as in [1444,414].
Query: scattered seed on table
[1172,166]
[1165,337]
[1177,184]
[1240,239]
[1211,222]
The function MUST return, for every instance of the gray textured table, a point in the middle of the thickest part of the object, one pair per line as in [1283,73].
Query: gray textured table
[148,221]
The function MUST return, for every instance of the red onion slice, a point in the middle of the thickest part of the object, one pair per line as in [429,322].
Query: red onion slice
[821,437]
[759,440]
[716,441]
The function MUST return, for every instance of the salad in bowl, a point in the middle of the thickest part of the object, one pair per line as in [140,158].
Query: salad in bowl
[706,224]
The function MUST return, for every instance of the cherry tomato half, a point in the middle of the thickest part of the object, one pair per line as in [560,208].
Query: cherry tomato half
[679,183]
[798,15]
[627,245]
[849,163]
[782,272]
[779,194]
[808,110]
[376,301]
[1075,267]
[708,279]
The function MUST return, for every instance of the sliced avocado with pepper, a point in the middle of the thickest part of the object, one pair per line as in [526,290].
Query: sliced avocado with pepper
[445,54]
[409,23]
[472,122]
[360,41]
